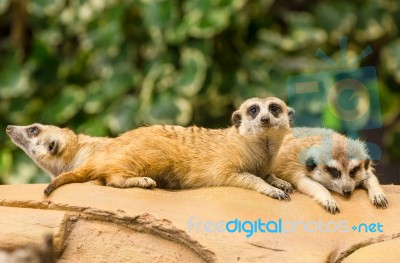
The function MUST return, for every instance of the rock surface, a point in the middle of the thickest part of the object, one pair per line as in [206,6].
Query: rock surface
[92,223]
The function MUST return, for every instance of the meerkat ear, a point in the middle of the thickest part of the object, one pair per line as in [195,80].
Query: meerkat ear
[236,119]
[52,147]
[291,112]
[310,164]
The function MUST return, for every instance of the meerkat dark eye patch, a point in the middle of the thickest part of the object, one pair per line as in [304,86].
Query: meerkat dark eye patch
[32,131]
[310,164]
[354,171]
[253,110]
[52,147]
[335,173]
[367,164]
[274,108]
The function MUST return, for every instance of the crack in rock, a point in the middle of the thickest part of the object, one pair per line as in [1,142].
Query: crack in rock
[144,223]
[269,248]
[338,256]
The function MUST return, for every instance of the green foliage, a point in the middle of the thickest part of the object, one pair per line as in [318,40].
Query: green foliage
[103,67]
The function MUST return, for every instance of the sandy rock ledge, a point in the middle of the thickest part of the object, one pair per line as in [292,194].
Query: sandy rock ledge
[91,223]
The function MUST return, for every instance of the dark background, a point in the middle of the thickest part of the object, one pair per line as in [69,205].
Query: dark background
[102,67]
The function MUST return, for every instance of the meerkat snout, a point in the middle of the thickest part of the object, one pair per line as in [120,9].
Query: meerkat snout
[9,129]
[347,192]
[265,120]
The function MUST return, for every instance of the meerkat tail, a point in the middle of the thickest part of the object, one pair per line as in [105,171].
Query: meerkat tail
[120,181]
[279,183]
[250,181]
[77,176]
[317,191]
[375,192]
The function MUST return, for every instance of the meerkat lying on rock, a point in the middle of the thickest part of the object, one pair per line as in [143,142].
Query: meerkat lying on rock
[315,160]
[170,157]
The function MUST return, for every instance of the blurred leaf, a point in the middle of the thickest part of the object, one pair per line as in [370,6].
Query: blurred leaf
[191,78]
[45,7]
[94,127]
[122,114]
[14,80]
[391,59]
[160,13]
[206,18]
[163,109]
[6,162]
[389,104]
[26,171]
[4,5]
[392,142]
[66,106]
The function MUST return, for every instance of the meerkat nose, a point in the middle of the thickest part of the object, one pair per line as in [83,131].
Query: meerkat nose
[346,192]
[9,128]
[265,120]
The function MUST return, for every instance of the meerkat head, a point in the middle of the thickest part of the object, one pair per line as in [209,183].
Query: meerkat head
[338,163]
[49,146]
[257,115]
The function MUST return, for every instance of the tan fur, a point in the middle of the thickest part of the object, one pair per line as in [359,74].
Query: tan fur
[32,253]
[171,157]
[329,149]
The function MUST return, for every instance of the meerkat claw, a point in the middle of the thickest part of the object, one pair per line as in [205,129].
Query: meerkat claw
[280,195]
[380,201]
[148,183]
[284,186]
[331,207]
[288,188]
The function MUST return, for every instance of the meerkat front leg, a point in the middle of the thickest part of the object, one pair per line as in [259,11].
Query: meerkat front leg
[279,183]
[120,181]
[314,189]
[375,191]
[78,176]
[250,181]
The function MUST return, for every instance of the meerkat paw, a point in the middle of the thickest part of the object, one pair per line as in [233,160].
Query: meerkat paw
[331,206]
[279,183]
[283,185]
[146,182]
[128,182]
[379,200]
[278,194]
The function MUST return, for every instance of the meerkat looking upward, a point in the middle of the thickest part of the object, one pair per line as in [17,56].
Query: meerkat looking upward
[315,160]
[171,157]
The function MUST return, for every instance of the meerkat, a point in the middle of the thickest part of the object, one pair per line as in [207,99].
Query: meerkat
[170,157]
[316,160]
[31,253]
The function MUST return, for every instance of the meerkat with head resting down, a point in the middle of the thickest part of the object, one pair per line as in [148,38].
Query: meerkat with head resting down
[170,157]
[315,160]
